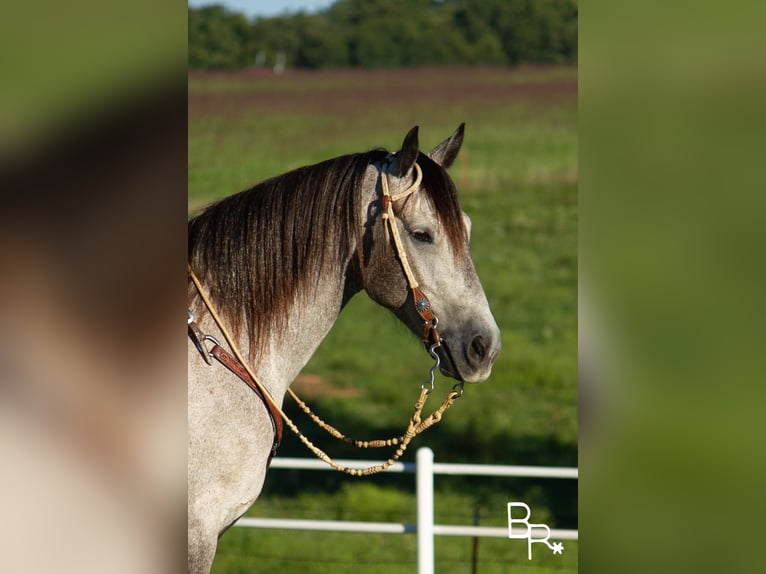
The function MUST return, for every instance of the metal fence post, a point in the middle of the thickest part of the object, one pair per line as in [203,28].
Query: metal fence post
[425,497]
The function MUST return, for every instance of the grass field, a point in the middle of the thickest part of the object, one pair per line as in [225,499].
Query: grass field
[517,176]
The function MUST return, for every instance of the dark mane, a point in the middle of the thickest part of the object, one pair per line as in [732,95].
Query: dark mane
[258,249]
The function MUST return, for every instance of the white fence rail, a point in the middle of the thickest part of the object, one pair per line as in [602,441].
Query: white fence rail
[424,468]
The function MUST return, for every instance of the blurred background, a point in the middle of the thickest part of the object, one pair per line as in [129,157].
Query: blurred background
[671,126]
[92,287]
[269,93]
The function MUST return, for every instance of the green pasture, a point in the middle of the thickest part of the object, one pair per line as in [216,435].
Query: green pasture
[517,176]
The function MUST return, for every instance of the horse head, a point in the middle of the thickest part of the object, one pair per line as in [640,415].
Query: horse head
[426,276]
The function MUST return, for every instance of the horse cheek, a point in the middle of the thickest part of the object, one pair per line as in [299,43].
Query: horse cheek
[385,282]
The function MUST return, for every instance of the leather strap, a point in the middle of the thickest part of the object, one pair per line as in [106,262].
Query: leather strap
[231,363]
[423,308]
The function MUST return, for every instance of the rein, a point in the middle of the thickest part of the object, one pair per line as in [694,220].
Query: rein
[431,339]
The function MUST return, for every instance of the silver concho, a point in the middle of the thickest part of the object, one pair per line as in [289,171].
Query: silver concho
[422,305]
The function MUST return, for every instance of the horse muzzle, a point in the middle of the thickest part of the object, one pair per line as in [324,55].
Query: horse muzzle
[469,358]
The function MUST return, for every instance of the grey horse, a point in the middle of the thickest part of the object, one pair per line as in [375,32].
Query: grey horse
[280,260]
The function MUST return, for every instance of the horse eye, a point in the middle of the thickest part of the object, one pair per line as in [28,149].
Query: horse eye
[422,236]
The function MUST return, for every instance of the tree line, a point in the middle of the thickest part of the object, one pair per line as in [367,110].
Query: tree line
[388,33]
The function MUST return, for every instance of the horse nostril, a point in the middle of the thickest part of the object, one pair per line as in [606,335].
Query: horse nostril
[478,348]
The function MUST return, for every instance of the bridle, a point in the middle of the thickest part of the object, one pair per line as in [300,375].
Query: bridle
[431,339]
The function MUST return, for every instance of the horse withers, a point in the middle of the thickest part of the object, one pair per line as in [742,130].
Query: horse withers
[280,260]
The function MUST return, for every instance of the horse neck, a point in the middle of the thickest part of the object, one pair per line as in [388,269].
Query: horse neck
[310,319]
[312,315]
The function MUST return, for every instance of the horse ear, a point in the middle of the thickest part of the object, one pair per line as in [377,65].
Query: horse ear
[409,152]
[446,152]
